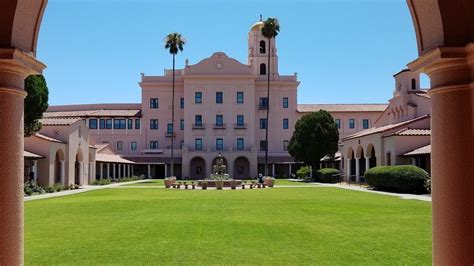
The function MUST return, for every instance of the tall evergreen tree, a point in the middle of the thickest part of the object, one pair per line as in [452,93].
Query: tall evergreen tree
[36,102]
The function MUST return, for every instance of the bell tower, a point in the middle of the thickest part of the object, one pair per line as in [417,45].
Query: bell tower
[258,52]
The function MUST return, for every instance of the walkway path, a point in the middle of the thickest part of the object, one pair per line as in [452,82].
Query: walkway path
[83,189]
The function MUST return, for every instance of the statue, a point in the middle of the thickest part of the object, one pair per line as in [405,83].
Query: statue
[219,168]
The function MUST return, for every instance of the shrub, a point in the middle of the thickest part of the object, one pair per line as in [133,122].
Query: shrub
[327,175]
[129,179]
[101,182]
[30,187]
[57,187]
[303,172]
[402,178]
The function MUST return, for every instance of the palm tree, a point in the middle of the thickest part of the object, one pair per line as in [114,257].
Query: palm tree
[270,30]
[174,42]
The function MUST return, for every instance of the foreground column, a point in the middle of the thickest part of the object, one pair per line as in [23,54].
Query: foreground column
[452,152]
[357,170]
[15,66]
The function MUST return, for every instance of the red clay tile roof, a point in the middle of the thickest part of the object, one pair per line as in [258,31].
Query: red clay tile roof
[59,121]
[110,158]
[376,130]
[306,108]
[420,151]
[41,136]
[30,155]
[414,132]
[94,113]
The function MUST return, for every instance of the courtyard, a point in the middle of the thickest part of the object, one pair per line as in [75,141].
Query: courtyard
[309,224]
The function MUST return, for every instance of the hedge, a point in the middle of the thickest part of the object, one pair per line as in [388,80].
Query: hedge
[401,178]
[327,175]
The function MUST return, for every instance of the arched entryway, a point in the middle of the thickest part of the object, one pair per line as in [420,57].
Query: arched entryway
[59,167]
[78,168]
[351,165]
[197,168]
[241,168]
[370,154]
[360,158]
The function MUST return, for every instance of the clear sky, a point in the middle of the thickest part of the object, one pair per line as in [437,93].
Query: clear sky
[344,51]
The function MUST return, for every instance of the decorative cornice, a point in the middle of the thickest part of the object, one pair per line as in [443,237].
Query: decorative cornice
[14,60]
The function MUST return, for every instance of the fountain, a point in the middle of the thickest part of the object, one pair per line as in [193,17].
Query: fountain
[219,177]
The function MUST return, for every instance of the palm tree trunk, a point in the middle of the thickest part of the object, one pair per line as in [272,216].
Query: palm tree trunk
[268,108]
[172,123]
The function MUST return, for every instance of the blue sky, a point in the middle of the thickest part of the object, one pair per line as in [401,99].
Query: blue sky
[343,51]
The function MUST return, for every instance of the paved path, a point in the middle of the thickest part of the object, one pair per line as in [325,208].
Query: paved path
[365,189]
[77,191]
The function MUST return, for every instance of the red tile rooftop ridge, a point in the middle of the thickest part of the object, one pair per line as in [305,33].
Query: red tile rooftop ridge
[382,129]
[67,121]
[302,108]
[41,136]
[420,151]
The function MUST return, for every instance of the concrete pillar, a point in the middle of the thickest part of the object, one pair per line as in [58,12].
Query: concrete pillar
[289,170]
[131,169]
[357,169]
[113,171]
[452,154]
[119,170]
[273,170]
[149,171]
[81,173]
[62,175]
[166,170]
[101,168]
[35,171]
[348,169]
[413,161]
[108,171]
[367,164]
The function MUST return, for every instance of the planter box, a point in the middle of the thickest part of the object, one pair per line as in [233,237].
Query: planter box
[270,182]
[219,184]
[169,182]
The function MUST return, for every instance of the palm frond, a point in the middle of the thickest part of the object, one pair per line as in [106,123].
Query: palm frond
[174,42]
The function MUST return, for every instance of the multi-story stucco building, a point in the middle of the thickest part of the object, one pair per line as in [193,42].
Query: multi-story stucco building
[220,107]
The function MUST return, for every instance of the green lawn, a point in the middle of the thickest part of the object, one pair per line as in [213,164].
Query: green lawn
[264,226]
[159,182]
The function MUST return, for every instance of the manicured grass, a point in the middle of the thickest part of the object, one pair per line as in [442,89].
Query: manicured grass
[287,182]
[266,226]
[148,182]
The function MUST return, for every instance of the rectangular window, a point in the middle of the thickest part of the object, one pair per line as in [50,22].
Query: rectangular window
[137,123]
[240,144]
[153,103]
[182,144]
[219,97]
[198,144]
[263,123]
[109,124]
[154,124]
[154,145]
[133,145]
[263,145]
[240,120]
[198,120]
[365,123]
[219,120]
[351,123]
[338,123]
[181,103]
[169,128]
[130,124]
[263,103]
[219,144]
[120,124]
[198,97]
[285,145]
[102,123]
[93,123]
[119,145]
[240,97]
[181,124]
[285,123]
[285,102]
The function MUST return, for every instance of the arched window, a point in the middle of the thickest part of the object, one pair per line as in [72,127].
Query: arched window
[263,69]
[413,84]
[262,47]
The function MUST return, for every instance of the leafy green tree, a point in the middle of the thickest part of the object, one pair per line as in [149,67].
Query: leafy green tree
[315,136]
[174,42]
[36,102]
[270,30]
